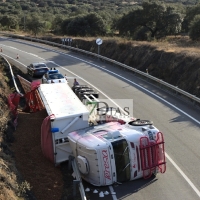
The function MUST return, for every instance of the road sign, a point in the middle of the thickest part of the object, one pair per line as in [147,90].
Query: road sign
[99,41]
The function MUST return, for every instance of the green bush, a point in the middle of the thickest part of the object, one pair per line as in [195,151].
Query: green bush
[194,31]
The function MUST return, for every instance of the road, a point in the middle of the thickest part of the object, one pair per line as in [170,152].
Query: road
[179,121]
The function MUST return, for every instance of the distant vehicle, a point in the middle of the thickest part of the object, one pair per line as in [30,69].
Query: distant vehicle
[37,69]
[53,76]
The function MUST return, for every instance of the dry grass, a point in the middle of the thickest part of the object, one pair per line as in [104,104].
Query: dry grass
[176,44]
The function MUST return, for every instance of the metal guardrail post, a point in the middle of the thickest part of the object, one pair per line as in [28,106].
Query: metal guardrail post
[75,183]
[78,178]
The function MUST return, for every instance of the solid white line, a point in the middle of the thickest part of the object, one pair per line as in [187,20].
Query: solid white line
[112,193]
[183,174]
[168,157]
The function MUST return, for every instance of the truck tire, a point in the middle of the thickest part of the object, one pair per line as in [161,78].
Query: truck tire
[81,91]
[139,122]
[78,87]
[95,94]
[75,87]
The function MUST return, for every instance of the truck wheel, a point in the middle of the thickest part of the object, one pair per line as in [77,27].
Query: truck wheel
[140,122]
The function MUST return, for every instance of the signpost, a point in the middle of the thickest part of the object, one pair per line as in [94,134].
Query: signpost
[68,40]
[99,41]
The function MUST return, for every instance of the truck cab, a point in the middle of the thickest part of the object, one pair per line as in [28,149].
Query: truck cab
[115,152]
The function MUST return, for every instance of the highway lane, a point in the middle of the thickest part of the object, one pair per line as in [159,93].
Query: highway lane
[182,135]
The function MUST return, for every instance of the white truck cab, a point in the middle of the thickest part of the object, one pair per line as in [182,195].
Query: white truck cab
[113,152]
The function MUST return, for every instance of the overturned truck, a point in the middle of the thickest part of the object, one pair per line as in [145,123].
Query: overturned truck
[111,150]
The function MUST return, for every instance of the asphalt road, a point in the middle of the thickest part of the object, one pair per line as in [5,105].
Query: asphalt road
[179,121]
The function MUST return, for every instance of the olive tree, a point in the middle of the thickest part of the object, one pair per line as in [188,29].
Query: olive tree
[9,21]
[194,31]
[85,25]
[155,17]
[35,25]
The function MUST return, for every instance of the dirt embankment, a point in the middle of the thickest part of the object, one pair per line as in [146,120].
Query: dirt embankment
[12,185]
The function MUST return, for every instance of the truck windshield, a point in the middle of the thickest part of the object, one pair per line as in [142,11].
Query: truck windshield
[122,161]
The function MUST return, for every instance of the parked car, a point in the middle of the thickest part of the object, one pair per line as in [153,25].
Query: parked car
[53,76]
[37,69]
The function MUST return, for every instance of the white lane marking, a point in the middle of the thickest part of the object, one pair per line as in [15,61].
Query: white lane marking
[33,55]
[22,51]
[11,47]
[13,59]
[184,175]
[112,193]
[168,157]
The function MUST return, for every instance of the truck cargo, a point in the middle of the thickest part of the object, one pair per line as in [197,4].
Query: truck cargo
[66,113]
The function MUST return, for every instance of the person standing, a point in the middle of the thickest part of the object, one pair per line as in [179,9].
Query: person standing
[75,83]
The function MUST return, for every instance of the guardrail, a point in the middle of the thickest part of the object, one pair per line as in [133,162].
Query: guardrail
[13,77]
[195,100]
[78,180]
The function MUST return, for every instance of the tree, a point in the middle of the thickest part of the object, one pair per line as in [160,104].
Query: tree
[173,21]
[35,25]
[152,16]
[86,25]
[194,31]
[191,12]
[157,19]
[97,25]
[78,26]
[57,24]
[127,24]
[9,21]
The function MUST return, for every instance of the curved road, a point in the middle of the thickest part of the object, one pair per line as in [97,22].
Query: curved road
[179,122]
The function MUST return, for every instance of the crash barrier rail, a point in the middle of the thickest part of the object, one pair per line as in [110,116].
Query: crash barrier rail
[11,72]
[162,84]
[13,99]
[78,181]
